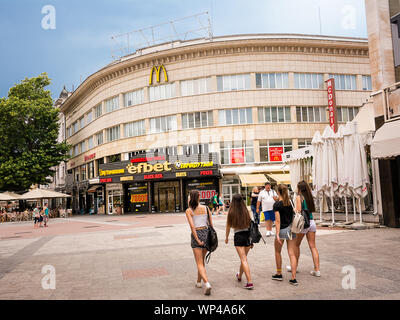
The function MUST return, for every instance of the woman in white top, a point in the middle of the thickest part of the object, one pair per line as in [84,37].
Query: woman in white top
[197,216]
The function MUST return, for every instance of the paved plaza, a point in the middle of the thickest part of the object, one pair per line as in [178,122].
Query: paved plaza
[149,257]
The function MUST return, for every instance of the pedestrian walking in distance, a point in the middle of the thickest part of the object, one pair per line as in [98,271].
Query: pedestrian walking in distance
[198,216]
[36,215]
[253,206]
[266,199]
[46,214]
[239,219]
[284,216]
[305,201]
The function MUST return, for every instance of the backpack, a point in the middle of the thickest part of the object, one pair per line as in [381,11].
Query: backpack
[255,234]
[212,239]
[301,220]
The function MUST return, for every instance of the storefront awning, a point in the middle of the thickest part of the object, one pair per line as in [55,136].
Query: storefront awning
[252,180]
[386,143]
[280,177]
[94,188]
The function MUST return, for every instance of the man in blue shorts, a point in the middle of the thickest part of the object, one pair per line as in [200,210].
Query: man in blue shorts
[267,198]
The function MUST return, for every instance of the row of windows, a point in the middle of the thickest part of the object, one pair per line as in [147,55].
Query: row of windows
[224,83]
[225,117]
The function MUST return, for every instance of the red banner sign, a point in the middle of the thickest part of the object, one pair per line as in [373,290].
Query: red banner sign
[90,157]
[275,154]
[135,198]
[330,85]
[237,156]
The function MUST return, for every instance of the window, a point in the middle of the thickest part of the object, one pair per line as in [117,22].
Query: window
[76,149]
[163,124]
[367,83]
[345,114]
[165,91]
[233,82]
[304,143]
[195,149]
[308,81]
[112,104]
[134,97]
[99,138]
[91,170]
[311,114]
[81,122]
[83,146]
[89,117]
[133,129]
[90,143]
[83,172]
[197,120]
[272,80]
[112,133]
[114,158]
[69,132]
[235,116]
[98,111]
[274,114]
[271,150]
[344,81]
[237,152]
[196,86]
[75,127]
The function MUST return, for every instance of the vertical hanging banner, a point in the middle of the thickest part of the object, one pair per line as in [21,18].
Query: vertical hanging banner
[330,86]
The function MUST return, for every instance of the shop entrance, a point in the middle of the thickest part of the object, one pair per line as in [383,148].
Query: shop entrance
[228,190]
[166,196]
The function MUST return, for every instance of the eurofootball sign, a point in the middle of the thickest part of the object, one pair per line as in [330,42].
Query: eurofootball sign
[330,86]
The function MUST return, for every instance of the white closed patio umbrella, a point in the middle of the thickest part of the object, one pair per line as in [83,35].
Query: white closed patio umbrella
[340,154]
[317,169]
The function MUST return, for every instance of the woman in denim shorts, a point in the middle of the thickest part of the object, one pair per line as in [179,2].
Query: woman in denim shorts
[305,201]
[283,221]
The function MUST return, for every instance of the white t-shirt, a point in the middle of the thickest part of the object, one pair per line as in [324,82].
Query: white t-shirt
[267,200]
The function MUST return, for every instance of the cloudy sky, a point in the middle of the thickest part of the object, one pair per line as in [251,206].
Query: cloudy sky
[81,42]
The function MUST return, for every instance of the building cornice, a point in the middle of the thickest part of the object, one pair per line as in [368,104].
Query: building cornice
[336,46]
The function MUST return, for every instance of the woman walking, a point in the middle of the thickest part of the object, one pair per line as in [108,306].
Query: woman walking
[283,219]
[198,216]
[253,206]
[305,201]
[239,219]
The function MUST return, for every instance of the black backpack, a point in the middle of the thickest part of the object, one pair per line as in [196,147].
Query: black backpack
[212,239]
[305,213]
[255,234]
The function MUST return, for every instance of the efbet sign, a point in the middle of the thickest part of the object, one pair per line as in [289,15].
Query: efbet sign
[158,71]
[145,167]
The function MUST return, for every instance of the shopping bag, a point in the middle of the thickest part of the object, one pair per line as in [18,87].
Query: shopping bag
[262,218]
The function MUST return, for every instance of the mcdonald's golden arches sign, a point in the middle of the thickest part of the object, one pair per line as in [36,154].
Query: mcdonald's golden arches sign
[158,71]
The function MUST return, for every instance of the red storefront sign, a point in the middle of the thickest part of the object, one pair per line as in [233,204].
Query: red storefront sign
[206,173]
[330,85]
[146,159]
[153,176]
[275,154]
[105,180]
[237,156]
[90,157]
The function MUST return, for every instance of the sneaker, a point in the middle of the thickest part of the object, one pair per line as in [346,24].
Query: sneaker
[207,290]
[293,282]
[289,269]
[278,277]
[238,278]
[316,273]
[249,286]
[268,233]
[198,285]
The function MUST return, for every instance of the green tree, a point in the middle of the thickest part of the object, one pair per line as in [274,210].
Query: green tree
[28,135]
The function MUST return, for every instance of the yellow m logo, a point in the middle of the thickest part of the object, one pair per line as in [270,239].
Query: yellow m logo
[158,70]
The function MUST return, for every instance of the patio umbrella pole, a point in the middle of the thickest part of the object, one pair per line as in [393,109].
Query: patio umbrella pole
[354,207]
[320,207]
[359,206]
[345,206]
[333,208]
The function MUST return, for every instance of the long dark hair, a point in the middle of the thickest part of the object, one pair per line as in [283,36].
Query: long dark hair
[284,192]
[238,214]
[304,189]
[194,199]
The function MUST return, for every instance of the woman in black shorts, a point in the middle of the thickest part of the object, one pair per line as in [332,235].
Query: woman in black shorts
[198,217]
[239,219]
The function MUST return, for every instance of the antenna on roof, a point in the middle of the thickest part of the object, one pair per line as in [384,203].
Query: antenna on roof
[194,26]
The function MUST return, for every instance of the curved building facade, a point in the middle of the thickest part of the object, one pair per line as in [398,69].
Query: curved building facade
[207,114]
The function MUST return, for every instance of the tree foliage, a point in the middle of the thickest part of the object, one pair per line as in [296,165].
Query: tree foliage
[28,135]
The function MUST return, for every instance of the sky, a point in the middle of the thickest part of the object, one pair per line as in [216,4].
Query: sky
[72,39]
